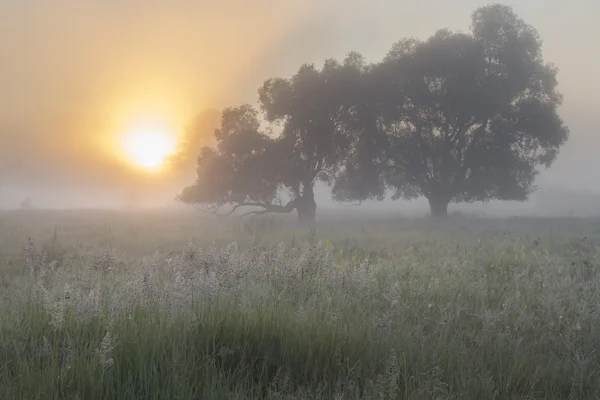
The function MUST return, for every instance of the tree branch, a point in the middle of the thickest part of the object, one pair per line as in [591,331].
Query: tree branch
[266,208]
[256,204]
[326,171]
[210,209]
[259,212]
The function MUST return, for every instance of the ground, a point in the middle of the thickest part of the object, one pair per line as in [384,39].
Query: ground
[156,304]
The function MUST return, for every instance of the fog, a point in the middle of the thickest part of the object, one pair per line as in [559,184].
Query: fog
[75,73]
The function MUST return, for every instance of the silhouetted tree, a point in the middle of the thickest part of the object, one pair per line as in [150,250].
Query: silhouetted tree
[456,118]
[459,117]
[250,166]
[236,172]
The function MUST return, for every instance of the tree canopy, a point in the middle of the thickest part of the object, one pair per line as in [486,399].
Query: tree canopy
[302,141]
[458,117]
[464,117]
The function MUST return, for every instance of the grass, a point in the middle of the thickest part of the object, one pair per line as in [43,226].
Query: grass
[101,305]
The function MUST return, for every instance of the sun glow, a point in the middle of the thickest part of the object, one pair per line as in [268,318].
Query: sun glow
[148,145]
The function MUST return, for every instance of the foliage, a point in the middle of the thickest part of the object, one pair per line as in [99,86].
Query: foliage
[250,166]
[461,117]
[238,171]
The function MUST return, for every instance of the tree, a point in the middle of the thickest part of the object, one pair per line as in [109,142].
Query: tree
[465,117]
[304,141]
[236,172]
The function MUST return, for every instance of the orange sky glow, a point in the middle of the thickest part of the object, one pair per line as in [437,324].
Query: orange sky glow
[80,78]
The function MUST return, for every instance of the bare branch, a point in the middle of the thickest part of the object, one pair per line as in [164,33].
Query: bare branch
[325,171]
[266,208]
[255,204]
[208,208]
[256,212]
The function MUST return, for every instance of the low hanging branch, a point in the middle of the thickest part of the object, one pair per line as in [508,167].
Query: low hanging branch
[266,208]
[271,208]
[208,208]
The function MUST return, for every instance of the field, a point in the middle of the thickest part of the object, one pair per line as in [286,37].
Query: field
[175,305]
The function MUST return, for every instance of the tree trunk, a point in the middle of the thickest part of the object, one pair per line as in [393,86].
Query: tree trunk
[307,208]
[439,207]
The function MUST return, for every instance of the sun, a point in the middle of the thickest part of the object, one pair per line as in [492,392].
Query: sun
[148,145]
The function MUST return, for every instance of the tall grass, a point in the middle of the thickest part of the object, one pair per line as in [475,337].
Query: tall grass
[501,318]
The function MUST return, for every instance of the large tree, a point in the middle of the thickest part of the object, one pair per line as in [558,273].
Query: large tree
[304,141]
[460,117]
[236,171]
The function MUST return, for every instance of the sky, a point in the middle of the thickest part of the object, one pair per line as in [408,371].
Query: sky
[76,75]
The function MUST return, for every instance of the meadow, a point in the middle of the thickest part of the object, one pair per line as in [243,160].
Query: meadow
[177,305]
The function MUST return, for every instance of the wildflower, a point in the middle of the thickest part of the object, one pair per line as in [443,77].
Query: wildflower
[302,315]
[104,259]
[68,356]
[35,259]
[104,351]
[383,322]
[56,308]
[89,305]
[46,348]
[224,351]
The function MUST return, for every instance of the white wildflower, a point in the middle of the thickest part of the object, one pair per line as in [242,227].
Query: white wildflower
[103,259]
[302,315]
[104,351]
[89,305]
[68,357]
[56,308]
[224,351]
[46,347]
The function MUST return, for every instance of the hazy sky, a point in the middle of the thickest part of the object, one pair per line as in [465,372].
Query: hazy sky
[74,74]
